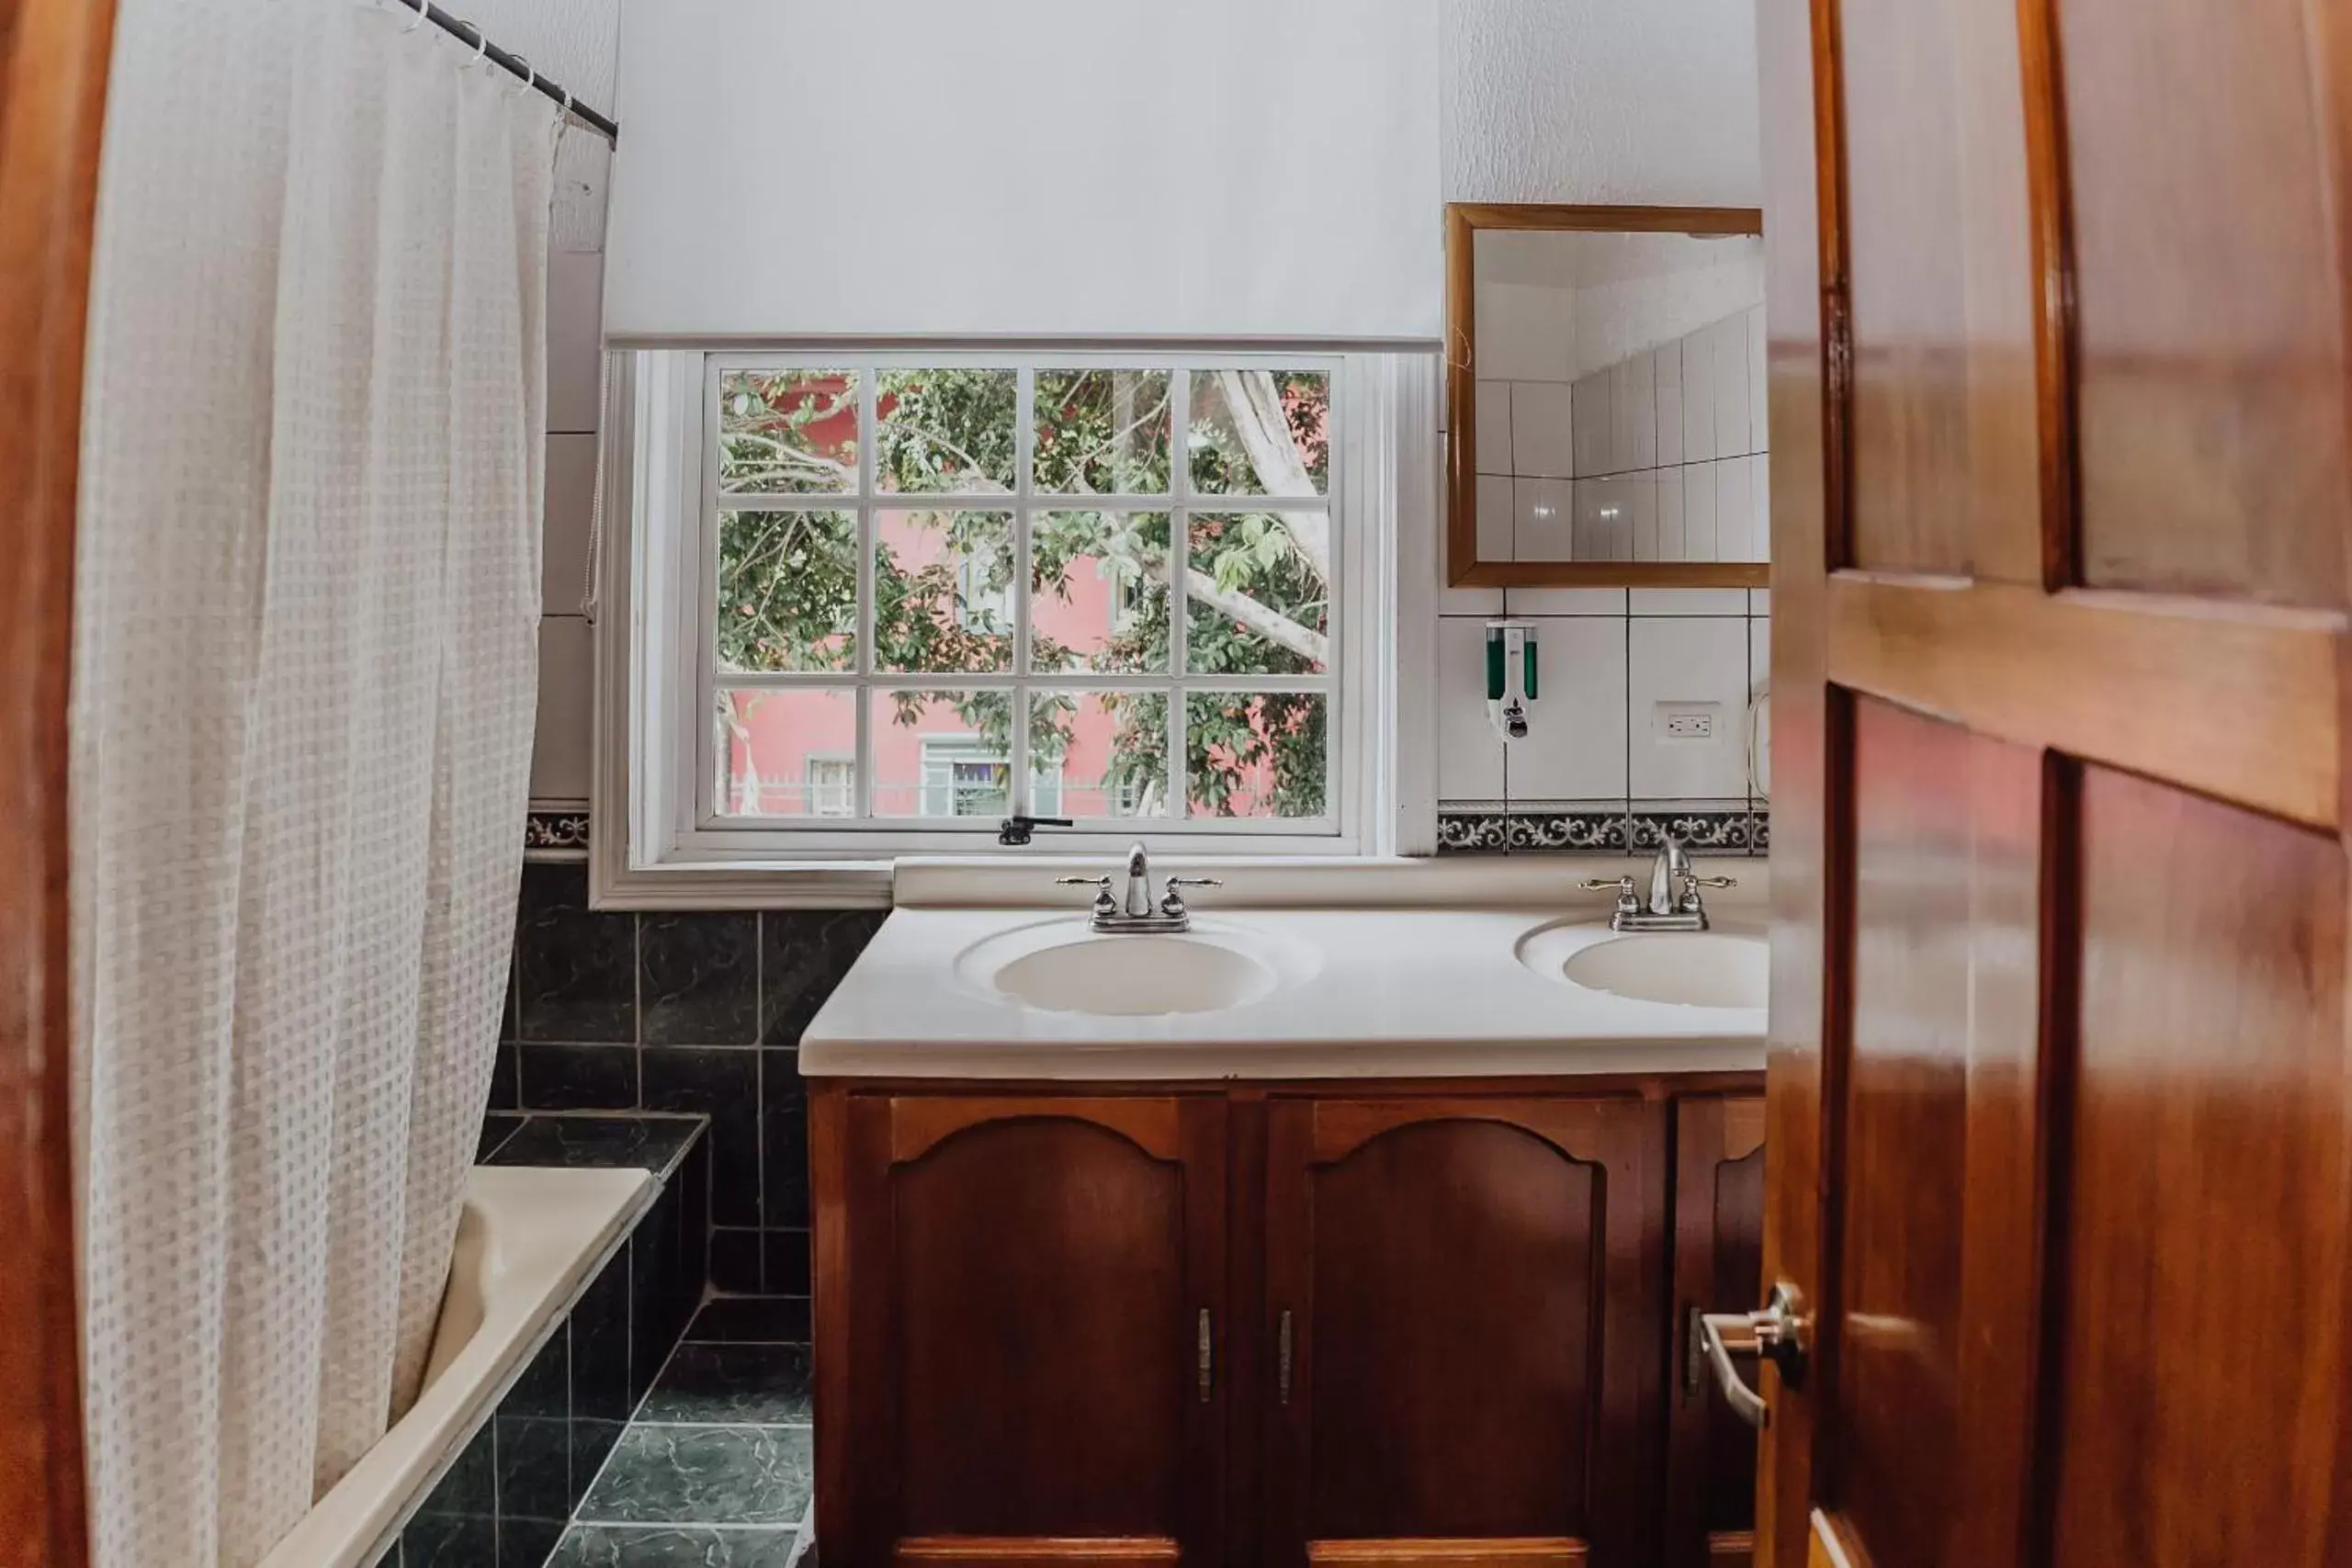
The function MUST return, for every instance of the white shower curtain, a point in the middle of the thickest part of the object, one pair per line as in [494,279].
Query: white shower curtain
[305,669]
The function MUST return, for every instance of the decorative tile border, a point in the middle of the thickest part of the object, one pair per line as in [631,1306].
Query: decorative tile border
[1464,827]
[1484,829]
[554,832]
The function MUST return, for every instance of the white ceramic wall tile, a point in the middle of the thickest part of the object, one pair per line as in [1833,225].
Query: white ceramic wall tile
[1759,494]
[1736,510]
[1542,443]
[1591,416]
[1633,386]
[1759,422]
[1606,513]
[1541,526]
[1699,511]
[1667,372]
[1698,398]
[1690,601]
[1575,745]
[1469,751]
[1565,601]
[1493,428]
[560,751]
[1727,343]
[1494,517]
[1760,653]
[575,339]
[1451,600]
[1759,684]
[1692,663]
[1671,503]
[1637,513]
[1759,601]
[571,501]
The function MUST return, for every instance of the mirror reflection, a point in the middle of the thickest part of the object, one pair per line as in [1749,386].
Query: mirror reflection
[1618,410]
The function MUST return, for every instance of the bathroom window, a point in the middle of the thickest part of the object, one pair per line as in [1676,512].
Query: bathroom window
[931,589]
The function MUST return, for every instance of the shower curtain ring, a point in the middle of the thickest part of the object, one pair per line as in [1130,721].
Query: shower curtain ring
[418,20]
[530,82]
[482,43]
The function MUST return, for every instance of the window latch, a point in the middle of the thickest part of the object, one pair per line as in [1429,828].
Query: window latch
[1016,830]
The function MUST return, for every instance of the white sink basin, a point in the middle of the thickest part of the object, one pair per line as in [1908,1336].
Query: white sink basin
[1061,966]
[1700,969]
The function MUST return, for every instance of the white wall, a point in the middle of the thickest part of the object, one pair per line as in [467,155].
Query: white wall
[1651,101]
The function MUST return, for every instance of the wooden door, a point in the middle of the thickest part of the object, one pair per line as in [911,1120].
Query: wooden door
[1462,1302]
[53,56]
[1021,1329]
[1718,1256]
[2058,1089]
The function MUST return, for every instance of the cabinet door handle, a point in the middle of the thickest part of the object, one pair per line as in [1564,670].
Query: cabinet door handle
[1281,1356]
[1207,1364]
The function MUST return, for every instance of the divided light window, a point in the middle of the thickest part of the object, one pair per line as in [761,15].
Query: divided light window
[949,588]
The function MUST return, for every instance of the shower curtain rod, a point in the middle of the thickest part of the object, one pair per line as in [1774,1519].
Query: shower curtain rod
[514,65]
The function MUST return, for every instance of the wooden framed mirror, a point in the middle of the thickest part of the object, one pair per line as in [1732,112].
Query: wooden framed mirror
[1604,386]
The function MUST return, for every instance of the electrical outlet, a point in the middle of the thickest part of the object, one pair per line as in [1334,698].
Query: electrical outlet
[1686,721]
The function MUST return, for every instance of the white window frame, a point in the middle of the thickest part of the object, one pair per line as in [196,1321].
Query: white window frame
[654,635]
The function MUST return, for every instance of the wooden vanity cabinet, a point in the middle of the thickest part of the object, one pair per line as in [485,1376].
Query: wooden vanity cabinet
[1718,1266]
[1030,1294]
[1301,1327]
[1466,1294]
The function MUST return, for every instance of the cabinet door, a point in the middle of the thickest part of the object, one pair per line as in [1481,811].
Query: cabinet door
[1463,1299]
[1718,1256]
[1020,1325]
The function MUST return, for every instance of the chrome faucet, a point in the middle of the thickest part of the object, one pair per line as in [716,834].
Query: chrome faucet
[1673,904]
[1136,912]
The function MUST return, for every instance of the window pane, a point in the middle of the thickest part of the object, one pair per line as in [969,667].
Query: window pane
[787,432]
[787,591]
[1101,433]
[942,591]
[1101,597]
[1256,754]
[945,431]
[787,753]
[1260,597]
[943,754]
[1100,753]
[1260,431]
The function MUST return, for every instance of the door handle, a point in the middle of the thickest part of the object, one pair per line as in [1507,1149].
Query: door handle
[1779,1333]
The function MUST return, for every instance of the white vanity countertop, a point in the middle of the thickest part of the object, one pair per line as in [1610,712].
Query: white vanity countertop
[1431,992]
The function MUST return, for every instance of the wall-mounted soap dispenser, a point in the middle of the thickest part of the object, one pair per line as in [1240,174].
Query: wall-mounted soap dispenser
[1510,676]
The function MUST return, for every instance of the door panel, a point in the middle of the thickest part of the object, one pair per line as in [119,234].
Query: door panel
[1943,326]
[2209,291]
[2205,1178]
[1034,1372]
[2057,1111]
[1463,1287]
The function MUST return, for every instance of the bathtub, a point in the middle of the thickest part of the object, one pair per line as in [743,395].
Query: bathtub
[529,1240]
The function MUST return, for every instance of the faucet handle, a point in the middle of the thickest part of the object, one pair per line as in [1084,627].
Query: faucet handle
[1103,903]
[1628,901]
[1698,881]
[1172,904]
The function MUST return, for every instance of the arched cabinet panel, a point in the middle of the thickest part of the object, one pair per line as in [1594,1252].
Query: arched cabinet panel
[1718,1260]
[1029,1366]
[1461,1294]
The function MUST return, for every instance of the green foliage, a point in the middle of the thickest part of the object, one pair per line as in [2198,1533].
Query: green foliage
[788,579]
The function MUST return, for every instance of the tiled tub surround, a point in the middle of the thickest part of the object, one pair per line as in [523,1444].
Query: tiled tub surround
[1599,772]
[508,1494]
[693,1012]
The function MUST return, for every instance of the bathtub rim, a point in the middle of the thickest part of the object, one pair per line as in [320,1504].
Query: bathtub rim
[358,1518]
